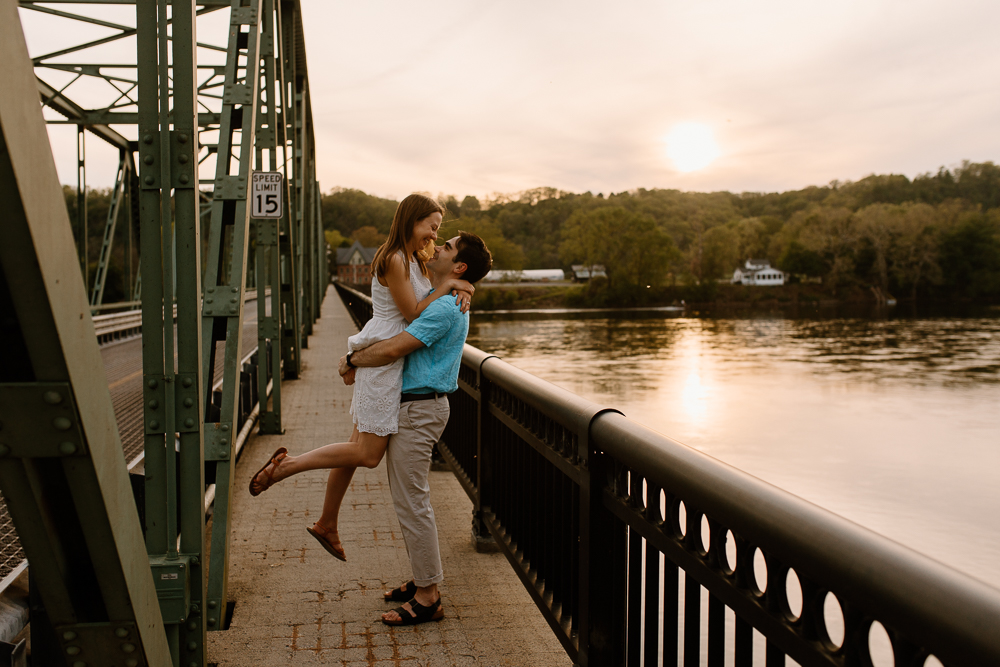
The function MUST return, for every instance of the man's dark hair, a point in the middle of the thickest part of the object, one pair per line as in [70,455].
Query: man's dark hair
[472,251]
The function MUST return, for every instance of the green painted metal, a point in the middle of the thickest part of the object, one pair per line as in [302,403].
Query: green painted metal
[172,386]
[225,277]
[266,234]
[62,471]
[117,194]
[174,101]
[291,330]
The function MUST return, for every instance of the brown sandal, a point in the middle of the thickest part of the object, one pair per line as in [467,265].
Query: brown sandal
[275,459]
[320,533]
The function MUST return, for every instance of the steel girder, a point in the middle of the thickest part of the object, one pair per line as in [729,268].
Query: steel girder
[183,113]
[62,470]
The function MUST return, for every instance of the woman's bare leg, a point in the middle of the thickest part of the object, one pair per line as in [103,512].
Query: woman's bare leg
[366,451]
[336,488]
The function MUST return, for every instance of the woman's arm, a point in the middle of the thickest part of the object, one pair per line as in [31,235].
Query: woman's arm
[402,290]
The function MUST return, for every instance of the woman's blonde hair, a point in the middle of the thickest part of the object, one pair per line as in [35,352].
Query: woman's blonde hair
[410,211]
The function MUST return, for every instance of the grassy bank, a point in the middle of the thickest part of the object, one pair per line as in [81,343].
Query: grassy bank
[517,297]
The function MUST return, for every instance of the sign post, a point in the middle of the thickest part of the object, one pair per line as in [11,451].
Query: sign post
[266,194]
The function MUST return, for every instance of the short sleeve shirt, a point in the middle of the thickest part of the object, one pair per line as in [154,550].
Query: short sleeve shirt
[442,328]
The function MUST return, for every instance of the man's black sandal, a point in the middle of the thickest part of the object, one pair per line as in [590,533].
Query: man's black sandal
[402,594]
[419,613]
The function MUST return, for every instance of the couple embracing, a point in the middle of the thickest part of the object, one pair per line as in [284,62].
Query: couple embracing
[402,365]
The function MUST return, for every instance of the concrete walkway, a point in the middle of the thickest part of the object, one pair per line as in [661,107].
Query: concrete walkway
[296,605]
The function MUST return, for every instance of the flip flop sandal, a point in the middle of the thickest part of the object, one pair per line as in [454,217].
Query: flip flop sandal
[276,458]
[320,533]
[402,594]
[419,613]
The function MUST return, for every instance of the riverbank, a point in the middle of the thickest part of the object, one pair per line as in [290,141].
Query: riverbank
[494,296]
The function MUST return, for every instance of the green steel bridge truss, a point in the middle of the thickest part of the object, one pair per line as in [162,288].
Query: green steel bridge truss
[62,471]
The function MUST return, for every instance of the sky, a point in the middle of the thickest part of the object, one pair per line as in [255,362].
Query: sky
[476,97]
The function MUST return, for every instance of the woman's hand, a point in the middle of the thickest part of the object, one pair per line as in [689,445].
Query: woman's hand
[462,290]
[463,300]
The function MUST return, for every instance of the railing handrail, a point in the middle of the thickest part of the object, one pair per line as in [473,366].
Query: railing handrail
[937,604]
[930,608]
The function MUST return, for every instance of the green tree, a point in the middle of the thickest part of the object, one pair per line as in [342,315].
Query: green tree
[368,236]
[631,247]
[878,225]
[346,209]
[970,256]
[335,239]
[914,254]
[507,255]
[799,260]
[720,252]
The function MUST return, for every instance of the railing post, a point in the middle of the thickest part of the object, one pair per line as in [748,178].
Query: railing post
[603,555]
[482,539]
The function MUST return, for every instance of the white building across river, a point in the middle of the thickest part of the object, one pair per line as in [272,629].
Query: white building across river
[758,272]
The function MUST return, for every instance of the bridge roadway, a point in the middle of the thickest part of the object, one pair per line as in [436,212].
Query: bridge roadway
[297,605]
[123,368]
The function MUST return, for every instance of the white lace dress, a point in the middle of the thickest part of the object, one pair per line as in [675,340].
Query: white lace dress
[376,390]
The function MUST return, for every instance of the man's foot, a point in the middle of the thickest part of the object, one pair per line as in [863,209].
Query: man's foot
[329,539]
[404,593]
[414,613]
[266,477]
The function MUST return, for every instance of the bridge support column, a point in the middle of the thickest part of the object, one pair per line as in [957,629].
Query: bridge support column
[62,471]
[170,234]
[225,277]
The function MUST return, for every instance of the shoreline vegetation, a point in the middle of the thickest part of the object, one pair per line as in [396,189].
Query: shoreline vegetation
[511,297]
[934,238]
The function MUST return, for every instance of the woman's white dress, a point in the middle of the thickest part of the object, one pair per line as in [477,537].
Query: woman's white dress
[376,390]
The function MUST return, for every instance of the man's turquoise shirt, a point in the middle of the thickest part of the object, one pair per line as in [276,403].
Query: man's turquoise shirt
[442,328]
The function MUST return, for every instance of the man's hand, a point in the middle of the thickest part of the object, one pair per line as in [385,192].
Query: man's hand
[348,377]
[344,369]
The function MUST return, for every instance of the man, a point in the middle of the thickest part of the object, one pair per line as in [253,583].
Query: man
[433,346]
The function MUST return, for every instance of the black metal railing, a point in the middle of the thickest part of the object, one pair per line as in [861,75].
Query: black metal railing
[639,550]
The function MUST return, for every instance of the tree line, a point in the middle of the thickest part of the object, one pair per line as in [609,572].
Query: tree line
[935,235]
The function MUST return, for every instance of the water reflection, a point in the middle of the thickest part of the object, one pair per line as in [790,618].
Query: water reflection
[891,422]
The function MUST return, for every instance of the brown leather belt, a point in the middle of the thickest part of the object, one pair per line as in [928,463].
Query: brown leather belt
[404,398]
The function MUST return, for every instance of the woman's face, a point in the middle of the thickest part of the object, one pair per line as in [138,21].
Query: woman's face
[425,231]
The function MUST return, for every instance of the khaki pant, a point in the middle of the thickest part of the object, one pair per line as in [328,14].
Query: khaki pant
[408,460]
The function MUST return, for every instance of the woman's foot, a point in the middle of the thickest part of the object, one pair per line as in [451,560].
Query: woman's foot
[267,476]
[329,539]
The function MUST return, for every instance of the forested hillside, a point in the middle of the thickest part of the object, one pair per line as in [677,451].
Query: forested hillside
[935,235]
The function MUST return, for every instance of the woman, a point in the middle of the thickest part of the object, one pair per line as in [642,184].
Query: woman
[400,292]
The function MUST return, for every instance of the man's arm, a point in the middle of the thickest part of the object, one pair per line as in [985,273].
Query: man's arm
[383,352]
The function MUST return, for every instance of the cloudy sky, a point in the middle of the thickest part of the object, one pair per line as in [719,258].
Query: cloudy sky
[475,97]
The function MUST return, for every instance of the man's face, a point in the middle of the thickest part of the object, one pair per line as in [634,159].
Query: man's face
[443,261]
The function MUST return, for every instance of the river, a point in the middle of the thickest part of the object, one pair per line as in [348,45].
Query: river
[888,418]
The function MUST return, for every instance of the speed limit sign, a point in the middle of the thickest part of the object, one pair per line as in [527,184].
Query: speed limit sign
[265,194]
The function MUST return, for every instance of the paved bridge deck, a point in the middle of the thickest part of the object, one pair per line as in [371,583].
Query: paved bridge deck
[296,605]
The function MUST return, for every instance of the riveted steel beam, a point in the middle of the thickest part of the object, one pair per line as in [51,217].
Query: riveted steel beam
[225,277]
[61,471]
[172,389]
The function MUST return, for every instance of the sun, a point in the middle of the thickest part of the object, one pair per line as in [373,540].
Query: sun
[691,146]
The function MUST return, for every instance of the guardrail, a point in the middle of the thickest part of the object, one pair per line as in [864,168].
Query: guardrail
[128,323]
[13,587]
[620,534]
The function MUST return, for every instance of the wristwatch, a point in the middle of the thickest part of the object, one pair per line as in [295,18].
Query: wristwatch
[348,359]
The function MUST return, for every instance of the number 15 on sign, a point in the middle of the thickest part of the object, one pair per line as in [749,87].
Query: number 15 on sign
[266,194]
